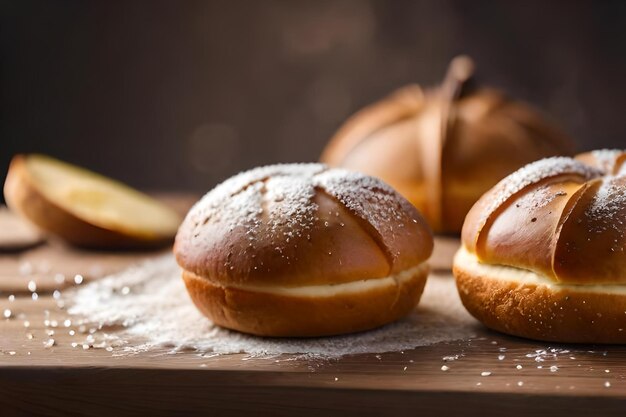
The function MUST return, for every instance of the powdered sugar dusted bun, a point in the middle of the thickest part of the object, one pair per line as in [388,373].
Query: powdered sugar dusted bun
[544,251]
[303,250]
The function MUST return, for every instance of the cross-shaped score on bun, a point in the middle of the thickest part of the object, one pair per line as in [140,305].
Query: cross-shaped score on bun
[303,250]
[543,252]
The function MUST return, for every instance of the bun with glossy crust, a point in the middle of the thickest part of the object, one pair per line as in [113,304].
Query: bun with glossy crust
[543,252]
[443,147]
[303,250]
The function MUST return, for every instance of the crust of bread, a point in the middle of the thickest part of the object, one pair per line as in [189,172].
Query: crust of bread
[487,137]
[276,314]
[565,221]
[541,311]
[398,106]
[337,247]
[338,252]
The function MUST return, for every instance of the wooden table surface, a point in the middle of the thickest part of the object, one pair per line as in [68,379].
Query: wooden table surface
[490,374]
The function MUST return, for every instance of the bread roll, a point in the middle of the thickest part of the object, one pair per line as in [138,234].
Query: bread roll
[442,148]
[543,251]
[303,250]
[84,208]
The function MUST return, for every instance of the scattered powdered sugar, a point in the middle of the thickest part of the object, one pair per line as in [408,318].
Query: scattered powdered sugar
[541,355]
[532,174]
[607,158]
[538,198]
[270,206]
[240,200]
[289,204]
[241,181]
[147,307]
[607,209]
[371,200]
[293,186]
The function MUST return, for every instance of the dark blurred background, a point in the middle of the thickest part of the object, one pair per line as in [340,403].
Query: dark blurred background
[181,94]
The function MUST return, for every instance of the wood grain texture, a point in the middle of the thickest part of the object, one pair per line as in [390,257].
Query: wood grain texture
[64,380]
[16,234]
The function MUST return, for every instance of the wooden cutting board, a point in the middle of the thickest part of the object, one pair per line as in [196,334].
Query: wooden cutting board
[487,374]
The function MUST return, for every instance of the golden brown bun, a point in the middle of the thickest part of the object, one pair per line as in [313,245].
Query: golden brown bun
[296,226]
[553,313]
[559,217]
[29,196]
[562,220]
[269,314]
[443,148]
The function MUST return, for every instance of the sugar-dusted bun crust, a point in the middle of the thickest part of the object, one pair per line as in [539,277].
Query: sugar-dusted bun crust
[292,227]
[443,148]
[563,221]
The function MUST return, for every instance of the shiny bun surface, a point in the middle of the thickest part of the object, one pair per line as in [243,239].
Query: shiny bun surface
[269,243]
[543,251]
